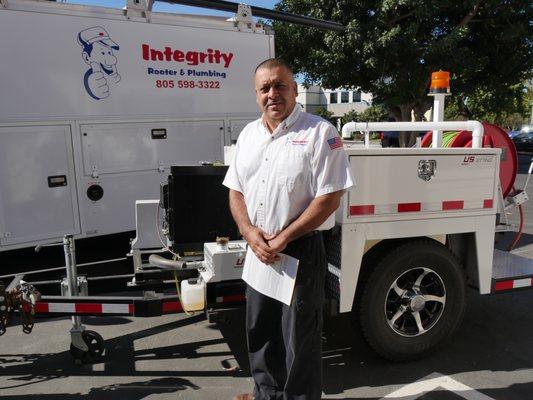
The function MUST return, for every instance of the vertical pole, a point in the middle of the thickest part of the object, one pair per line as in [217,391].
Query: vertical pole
[72,274]
[438,116]
[70,263]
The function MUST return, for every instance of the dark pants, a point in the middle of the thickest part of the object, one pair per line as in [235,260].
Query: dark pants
[284,342]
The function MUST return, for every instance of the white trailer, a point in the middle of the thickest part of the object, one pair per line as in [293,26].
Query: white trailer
[418,229]
[97,103]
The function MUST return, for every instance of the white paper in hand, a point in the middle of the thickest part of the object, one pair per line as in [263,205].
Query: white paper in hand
[273,280]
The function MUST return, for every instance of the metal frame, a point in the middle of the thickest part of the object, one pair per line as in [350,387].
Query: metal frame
[263,12]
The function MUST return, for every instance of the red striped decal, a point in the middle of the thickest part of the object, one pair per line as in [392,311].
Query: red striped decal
[171,306]
[88,308]
[131,309]
[504,285]
[41,307]
[361,210]
[409,207]
[487,203]
[234,298]
[453,205]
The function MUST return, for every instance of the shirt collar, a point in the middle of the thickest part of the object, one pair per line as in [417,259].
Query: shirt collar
[287,122]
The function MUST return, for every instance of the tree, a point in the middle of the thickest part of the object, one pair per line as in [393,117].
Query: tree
[374,113]
[389,48]
[512,112]
[350,116]
[324,113]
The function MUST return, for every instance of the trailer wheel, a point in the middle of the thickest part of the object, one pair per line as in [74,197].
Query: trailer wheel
[413,300]
[95,343]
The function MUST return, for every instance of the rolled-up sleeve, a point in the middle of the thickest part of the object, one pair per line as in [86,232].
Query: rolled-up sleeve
[331,169]
[231,180]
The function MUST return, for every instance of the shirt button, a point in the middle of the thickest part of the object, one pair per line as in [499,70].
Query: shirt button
[266,158]
[263,181]
[261,204]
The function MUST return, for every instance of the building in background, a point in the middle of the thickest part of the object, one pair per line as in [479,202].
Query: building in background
[337,101]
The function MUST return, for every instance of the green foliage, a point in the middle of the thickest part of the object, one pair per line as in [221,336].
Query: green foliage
[374,113]
[327,115]
[514,106]
[390,48]
[350,116]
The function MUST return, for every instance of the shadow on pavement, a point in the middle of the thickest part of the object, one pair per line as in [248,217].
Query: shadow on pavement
[492,352]
[495,342]
[129,391]
[120,359]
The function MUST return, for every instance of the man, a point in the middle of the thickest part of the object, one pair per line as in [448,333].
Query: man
[286,180]
[390,138]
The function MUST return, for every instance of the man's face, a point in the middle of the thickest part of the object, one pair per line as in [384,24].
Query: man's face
[102,54]
[275,92]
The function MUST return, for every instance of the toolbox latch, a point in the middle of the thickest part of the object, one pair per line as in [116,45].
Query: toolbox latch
[426,169]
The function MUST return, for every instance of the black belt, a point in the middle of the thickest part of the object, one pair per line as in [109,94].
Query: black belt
[309,234]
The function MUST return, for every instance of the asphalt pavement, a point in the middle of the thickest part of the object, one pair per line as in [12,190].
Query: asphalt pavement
[187,357]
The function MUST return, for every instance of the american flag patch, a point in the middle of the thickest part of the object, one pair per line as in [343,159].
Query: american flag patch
[335,143]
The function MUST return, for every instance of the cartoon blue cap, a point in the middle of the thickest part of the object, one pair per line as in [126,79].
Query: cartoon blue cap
[96,34]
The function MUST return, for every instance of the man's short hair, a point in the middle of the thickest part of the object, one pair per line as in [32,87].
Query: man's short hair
[273,63]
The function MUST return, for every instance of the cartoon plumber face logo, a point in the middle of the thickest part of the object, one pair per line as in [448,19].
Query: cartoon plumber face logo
[99,53]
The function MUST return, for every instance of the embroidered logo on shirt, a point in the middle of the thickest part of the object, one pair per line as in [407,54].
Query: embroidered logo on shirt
[335,143]
[299,142]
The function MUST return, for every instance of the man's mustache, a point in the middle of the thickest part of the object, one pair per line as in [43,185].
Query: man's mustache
[274,103]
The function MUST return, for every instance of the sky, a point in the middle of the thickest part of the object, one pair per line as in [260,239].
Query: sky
[165,7]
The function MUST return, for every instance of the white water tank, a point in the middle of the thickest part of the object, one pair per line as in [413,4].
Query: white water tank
[193,294]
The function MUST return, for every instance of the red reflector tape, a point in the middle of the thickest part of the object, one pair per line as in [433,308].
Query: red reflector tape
[487,203]
[453,205]
[409,207]
[88,308]
[513,284]
[41,307]
[84,308]
[172,306]
[234,298]
[504,285]
[362,210]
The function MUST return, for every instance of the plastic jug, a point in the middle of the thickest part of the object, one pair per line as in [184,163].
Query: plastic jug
[193,294]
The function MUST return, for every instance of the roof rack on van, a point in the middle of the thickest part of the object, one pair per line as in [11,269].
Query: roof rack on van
[262,12]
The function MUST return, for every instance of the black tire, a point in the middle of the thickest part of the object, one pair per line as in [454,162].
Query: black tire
[398,318]
[95,343]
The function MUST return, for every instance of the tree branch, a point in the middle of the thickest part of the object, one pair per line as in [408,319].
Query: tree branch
[393,21]
[469,16]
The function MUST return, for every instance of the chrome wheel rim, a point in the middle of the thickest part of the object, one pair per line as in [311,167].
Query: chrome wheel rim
[415,302]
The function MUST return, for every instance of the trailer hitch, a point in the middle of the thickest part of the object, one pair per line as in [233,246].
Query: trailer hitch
[22,298]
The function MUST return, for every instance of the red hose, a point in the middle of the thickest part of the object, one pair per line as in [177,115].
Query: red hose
[519,233]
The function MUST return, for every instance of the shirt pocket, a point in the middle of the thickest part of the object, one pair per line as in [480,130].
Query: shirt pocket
[293,166]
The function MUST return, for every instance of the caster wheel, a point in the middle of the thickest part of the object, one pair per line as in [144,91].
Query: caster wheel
[95,343]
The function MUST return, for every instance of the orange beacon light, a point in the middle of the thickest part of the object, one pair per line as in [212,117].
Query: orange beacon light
[440,82]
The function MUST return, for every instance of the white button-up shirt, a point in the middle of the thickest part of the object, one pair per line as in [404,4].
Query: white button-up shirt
[279,174]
